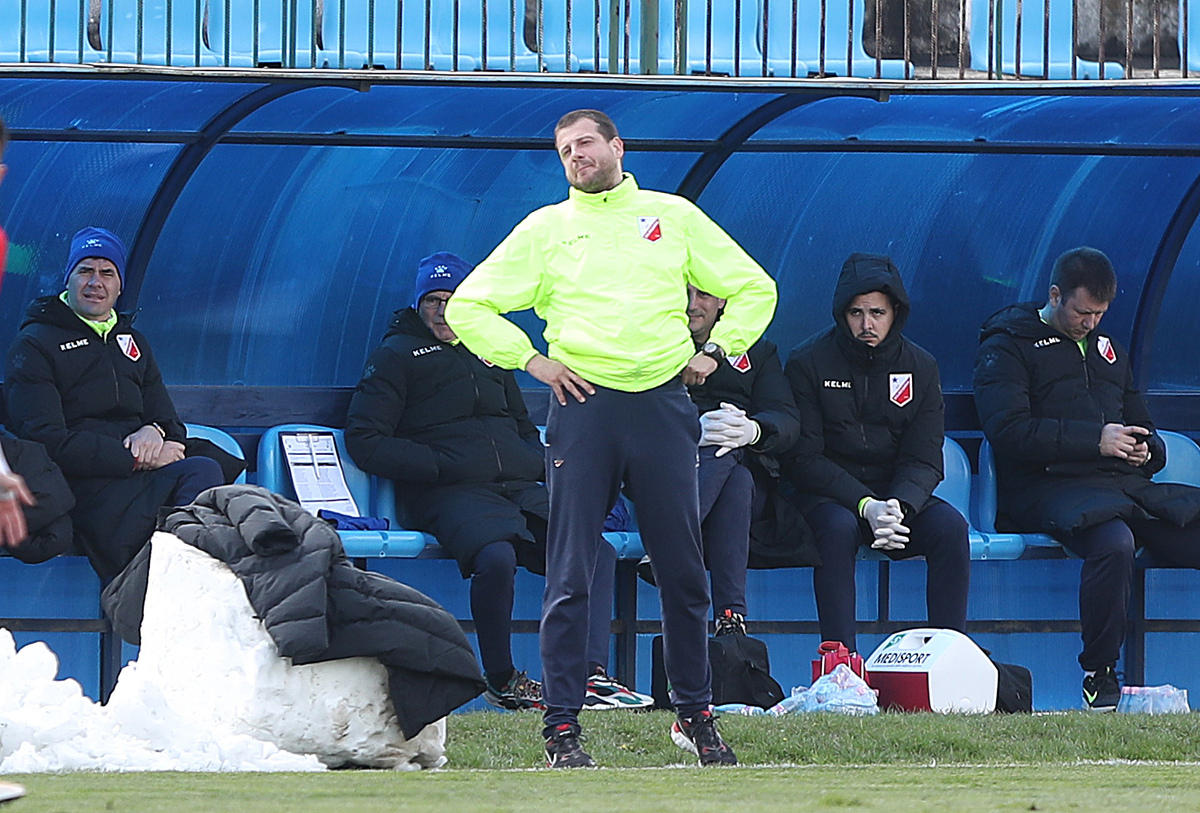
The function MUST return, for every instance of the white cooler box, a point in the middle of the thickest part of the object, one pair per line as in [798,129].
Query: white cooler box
[932,670]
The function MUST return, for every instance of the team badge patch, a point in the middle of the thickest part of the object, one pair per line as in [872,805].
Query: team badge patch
[650,229]
[485,361]
[1104,345]
[129,347]
[900,388]
[740,363]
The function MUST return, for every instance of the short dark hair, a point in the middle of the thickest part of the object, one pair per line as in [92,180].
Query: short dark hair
[603,123]
[1086,268]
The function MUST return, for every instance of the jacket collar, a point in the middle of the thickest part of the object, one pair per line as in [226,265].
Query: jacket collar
[620,193]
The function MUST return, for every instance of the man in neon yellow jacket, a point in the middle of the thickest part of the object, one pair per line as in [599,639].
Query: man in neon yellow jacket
[608,270]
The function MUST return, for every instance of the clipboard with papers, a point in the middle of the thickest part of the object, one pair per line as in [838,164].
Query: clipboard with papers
[316,471]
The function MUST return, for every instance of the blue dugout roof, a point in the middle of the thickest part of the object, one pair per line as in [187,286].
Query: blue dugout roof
[275,224]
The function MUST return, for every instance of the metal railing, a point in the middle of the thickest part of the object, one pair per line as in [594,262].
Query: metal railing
[901,39]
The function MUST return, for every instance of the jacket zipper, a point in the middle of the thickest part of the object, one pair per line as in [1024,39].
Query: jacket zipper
[492,440]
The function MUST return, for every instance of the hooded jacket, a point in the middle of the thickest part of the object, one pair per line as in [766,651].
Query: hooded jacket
[317,606]
[1042,405]
[430,413]
[79,396]
[871,418]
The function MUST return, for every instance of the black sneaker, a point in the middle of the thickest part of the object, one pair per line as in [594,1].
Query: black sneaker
[521,693]
[698,734]
[1101,691]
[731,623]
[564,751]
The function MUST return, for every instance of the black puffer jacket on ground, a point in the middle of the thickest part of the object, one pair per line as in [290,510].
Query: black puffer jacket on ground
[317,606]
[80,396]
[427,413]
[1042,405]
[871,418]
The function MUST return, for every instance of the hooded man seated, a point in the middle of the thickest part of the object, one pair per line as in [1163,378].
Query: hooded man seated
[83,383]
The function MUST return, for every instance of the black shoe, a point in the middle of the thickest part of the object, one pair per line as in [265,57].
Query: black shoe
[1101,691]
[731,623]
[564,751]
[521,693]
[698,734]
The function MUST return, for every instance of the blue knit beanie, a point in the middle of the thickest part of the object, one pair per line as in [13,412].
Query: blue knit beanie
[439,272]
[92,241]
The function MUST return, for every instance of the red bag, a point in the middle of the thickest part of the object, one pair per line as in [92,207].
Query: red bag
[831,654]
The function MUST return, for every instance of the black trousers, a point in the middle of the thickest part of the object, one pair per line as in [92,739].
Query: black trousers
[939,533]
[726,506]
[648,441]
[1107,551]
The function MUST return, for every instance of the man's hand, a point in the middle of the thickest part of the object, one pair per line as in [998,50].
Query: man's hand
[145,445]
[13,494]
[729,428]
[172,452]
[884,519]
[1122,442]
[561,378]
[699,368]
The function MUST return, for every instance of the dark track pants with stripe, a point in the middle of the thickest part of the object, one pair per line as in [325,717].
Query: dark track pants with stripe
[647,441]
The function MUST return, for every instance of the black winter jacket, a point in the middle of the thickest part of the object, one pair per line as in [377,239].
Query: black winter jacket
[871,418]
[428,413]
[48,520]
[80,395]
[317,606]
[1042,405]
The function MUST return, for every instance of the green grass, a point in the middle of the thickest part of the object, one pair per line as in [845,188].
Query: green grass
[894,762]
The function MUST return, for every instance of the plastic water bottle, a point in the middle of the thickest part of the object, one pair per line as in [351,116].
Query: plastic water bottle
[1153,700]
[789,704]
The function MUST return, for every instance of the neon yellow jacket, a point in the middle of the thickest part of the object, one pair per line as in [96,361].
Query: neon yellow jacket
[608,272]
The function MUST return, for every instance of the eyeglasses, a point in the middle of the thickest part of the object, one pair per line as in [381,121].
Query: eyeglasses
[434,303]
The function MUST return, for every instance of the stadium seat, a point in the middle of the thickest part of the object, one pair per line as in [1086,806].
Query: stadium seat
[1183,460]
[507,48]
[810,37]
[272,475]
[1033,63]
[358,44]
[724,35]
[151,49]
[1031,545]
[221,438]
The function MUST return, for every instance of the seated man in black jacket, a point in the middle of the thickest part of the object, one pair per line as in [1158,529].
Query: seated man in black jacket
[453,432]
[747,418]
[1075,449]
[870,450]
[83,383]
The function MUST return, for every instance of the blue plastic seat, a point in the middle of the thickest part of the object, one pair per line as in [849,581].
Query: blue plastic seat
[1033,58]
[363,45]
[809,37]
[273,475]
[725,34]
[985,517]
[223,439]
[278,38]
[1183,460]
[125,47]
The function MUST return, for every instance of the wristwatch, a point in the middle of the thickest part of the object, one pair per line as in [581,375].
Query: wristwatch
[714,351]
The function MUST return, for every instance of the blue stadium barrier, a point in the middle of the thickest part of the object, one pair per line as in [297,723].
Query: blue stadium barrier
[152,48]
[357,44]
[41,43]
[841,39]
[507,48]
[1034,59]
[734,50]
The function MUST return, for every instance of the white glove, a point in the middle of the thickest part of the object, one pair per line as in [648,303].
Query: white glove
[729,428]
[884,519]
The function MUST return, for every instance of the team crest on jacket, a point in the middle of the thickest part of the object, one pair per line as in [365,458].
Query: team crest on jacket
[650,229]
[740,363]
[129,347]
[485,361]
[900,388]
[1104,345]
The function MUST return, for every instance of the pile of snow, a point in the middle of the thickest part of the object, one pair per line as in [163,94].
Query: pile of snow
[208,693]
